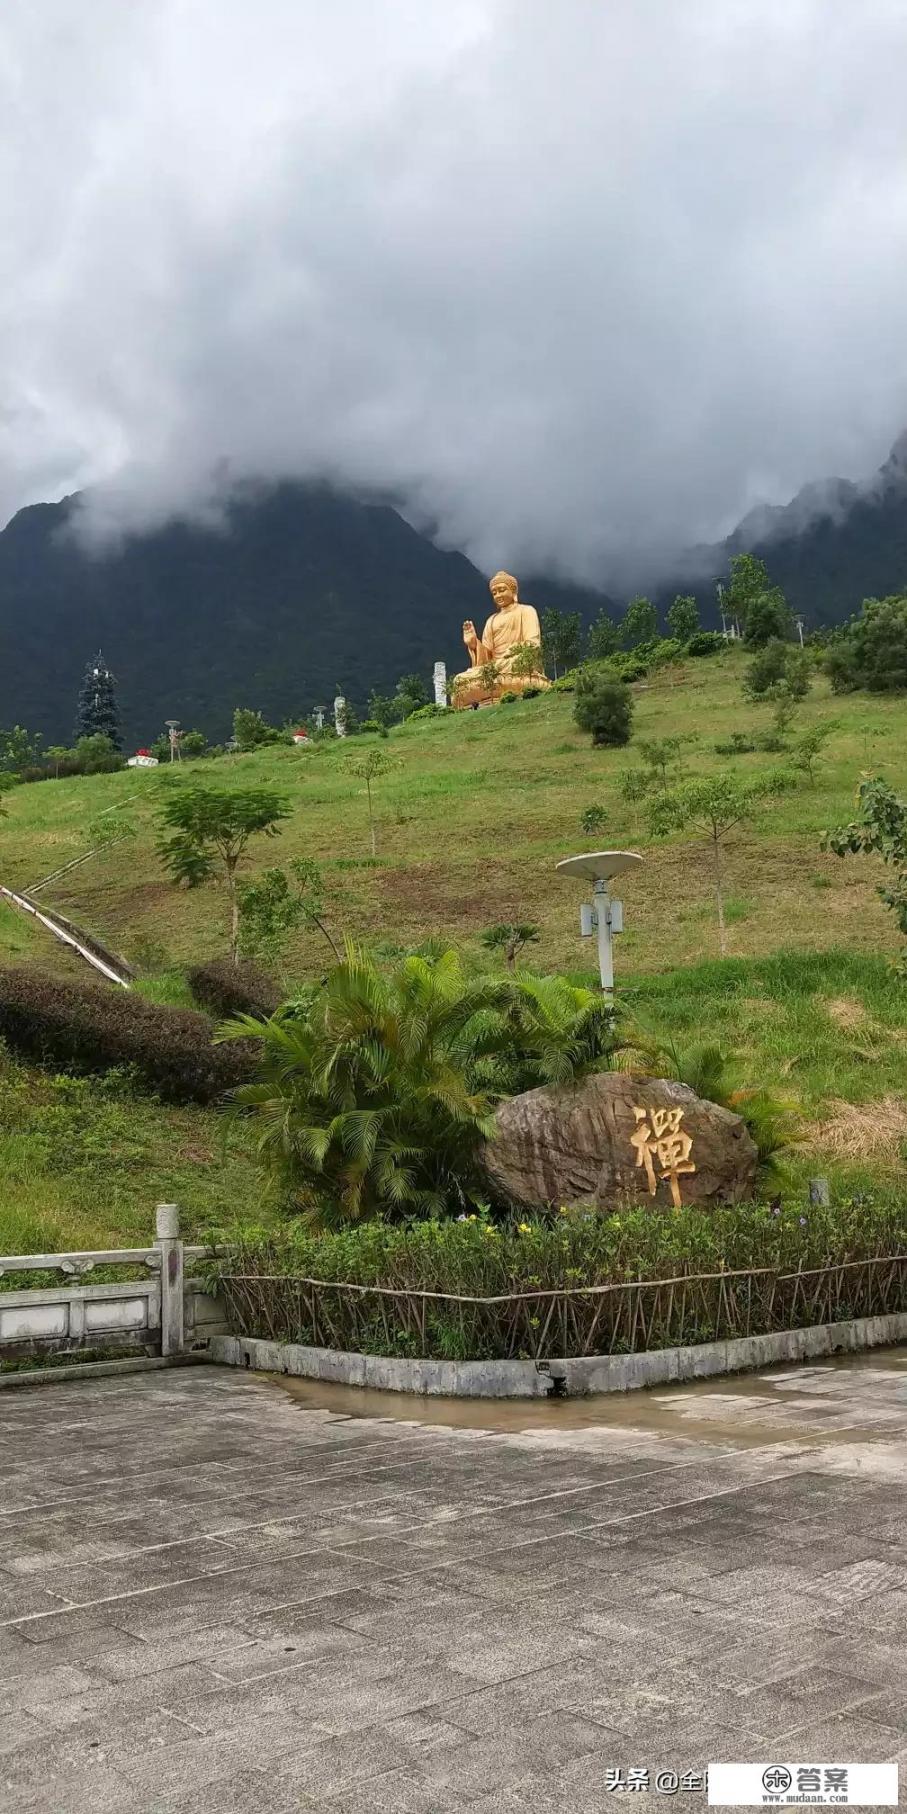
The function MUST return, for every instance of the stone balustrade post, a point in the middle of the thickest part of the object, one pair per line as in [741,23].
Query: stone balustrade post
[170,1248]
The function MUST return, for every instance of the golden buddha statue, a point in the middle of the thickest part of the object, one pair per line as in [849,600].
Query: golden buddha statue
[502,658]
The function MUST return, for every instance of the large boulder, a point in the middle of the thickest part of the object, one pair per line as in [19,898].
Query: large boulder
[613,1139]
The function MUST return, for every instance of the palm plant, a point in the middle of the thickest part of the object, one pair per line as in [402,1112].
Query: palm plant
[770,1122]
[554,1033]
[377,1097]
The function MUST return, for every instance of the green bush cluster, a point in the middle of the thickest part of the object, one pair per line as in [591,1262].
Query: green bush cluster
[576,1247]
[871,651]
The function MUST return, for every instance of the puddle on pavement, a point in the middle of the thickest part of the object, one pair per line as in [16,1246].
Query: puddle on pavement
[778,1404]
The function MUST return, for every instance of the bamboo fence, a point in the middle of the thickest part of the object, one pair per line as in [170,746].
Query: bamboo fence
[624,1318]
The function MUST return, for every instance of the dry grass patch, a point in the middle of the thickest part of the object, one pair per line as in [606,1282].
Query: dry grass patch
[848,1014]
[863,1131]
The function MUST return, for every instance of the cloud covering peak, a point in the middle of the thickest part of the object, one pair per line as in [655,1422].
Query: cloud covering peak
[579,284]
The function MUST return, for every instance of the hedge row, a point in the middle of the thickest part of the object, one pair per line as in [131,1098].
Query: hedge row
[225,988]
[91,1029]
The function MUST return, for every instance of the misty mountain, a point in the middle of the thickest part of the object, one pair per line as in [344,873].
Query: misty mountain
[833,545]
[302,594]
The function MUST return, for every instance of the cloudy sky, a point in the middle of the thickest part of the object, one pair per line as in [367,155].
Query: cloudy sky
[578,280]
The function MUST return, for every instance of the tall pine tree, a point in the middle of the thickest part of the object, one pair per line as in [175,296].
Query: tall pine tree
[98,710]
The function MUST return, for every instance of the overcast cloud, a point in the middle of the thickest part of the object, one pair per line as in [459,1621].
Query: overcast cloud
[576,279]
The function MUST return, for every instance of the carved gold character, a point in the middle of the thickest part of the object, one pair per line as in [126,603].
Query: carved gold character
[659,1136]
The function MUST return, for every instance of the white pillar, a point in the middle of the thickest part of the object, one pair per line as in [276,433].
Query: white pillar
[319,717]
[440,680]
[170,1248]
[340,715]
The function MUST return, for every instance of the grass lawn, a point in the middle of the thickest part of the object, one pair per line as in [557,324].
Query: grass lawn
[473,816]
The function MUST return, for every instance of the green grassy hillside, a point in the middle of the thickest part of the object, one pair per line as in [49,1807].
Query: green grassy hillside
[473,817]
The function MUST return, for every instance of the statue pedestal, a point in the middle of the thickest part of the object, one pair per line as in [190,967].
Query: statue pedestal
[473,691]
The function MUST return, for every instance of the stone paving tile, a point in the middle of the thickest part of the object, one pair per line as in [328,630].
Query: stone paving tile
[215,1600]
[888,1709]
[247,1792]
[847,1736]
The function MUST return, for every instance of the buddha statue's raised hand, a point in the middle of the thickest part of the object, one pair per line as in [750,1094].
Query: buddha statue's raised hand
[470,635]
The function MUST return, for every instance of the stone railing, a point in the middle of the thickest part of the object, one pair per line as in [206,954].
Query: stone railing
[163,1313]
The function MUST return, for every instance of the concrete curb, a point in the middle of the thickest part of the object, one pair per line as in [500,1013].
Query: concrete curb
[48,1376]
[572,1377]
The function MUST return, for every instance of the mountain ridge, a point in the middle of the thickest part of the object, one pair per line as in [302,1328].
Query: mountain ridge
[305,591]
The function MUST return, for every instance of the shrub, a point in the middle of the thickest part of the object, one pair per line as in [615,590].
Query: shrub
[631,667]
[97,755]
[92,1029]
[739,743]
[511,698]
[193,743]
[871,651]
[478,1259]
[536,692]
[604,707]
[251,731]
[669,649]
[706,642]
[425,711]
[778,664]
[224,988]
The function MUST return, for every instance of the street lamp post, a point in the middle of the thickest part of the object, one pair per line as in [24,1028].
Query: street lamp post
[603,916]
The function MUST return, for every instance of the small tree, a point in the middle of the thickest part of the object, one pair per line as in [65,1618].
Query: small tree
[202,827]
[683,617]
[715,805]
[640,622]
[57,753]
[369,768]
[274,904]
[490,675]
[777,663]
[251,731]
[785,710]
[807,751]
[562,638]
[511,939]
[411,694]
[604,637]
[760,607]
[603,706]
[525,661]
[662,766]
[593,819]
[384,711]
[18,749]
[98,713]
[880,829]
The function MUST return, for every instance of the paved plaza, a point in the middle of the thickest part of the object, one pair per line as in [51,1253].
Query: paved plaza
[218,1598]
